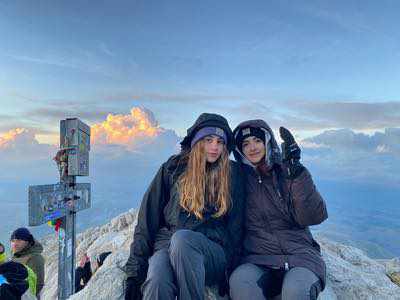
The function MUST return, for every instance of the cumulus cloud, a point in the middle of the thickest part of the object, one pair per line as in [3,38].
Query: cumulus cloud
[10,137]
[23,158]
[346,140]
[126,129]
[21,143]
[118,135]
[127,150]
[345,155]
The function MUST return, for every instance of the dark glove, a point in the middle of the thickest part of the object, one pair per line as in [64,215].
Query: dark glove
[132,290]
[290,154]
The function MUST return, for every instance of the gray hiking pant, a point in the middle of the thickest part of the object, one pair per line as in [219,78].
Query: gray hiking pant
[250,281]
[191,262]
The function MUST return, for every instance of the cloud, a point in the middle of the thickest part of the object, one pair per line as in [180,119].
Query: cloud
[21,141]
[346,140]
[126,129]
[318,116]
[128,140]
[106,50]
[55,114]
[127,150]
[22,157]
[355,115]
[75,59]
[137,131]
[346,155]
[7,139]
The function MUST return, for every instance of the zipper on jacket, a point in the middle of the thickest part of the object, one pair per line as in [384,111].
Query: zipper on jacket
[286,266]
[286,263]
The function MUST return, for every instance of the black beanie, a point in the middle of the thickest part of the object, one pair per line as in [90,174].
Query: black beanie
[22,234]
[249,131]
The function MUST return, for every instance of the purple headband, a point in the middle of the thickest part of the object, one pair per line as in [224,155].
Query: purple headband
[206,131]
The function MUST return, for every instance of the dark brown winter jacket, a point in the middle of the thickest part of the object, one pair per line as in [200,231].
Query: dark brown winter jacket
[278,213]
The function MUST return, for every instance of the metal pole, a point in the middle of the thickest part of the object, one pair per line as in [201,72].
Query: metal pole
[67,241]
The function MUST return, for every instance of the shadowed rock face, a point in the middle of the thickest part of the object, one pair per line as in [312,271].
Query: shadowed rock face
[351,274]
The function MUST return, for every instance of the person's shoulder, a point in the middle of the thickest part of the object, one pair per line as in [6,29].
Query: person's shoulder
[35,259]
[239,167]
[173,159]
[238,170]
[39,257]
[175,163]
[233,163]
[235,166]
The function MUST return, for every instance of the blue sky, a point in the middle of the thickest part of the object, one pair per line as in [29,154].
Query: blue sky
[327,70]
[179,58]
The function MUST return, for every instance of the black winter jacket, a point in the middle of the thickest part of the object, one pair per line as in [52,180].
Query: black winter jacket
[161,215]
[16,276]
[278,213]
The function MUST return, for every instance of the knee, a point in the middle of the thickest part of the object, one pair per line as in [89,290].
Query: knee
[300,283]
[181,242]
[235,285]
[236,279]
[157,283]
[243,283]
[305,292]
[294,292]
[245,274]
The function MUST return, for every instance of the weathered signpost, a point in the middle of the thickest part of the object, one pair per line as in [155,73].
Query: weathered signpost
[63,200]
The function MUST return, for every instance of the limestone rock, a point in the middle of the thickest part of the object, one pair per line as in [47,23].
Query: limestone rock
[351,274]
[392,268]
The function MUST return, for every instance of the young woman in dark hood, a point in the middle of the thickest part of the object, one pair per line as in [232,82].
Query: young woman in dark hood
[280,255]
[189,222]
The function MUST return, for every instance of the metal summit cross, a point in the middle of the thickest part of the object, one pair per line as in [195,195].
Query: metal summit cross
[60,202]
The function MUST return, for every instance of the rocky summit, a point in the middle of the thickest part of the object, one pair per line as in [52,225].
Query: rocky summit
[351,274]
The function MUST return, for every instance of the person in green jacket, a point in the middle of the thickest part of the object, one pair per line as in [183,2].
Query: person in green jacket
[3,255]
[28,251]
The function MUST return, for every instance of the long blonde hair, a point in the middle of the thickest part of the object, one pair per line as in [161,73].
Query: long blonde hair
[200,183]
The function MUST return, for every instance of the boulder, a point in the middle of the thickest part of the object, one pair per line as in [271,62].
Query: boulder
[351,273]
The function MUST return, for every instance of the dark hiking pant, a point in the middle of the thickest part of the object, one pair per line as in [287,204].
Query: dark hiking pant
[191,262]
[254,282]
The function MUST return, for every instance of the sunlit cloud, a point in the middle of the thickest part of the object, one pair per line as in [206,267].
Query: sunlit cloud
[127,129]
[15,136]
[9,136]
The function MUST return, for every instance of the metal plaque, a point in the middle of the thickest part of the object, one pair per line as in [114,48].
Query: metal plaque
[51,201]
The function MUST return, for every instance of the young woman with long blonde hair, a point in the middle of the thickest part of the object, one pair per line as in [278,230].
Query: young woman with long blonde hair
[190,220]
